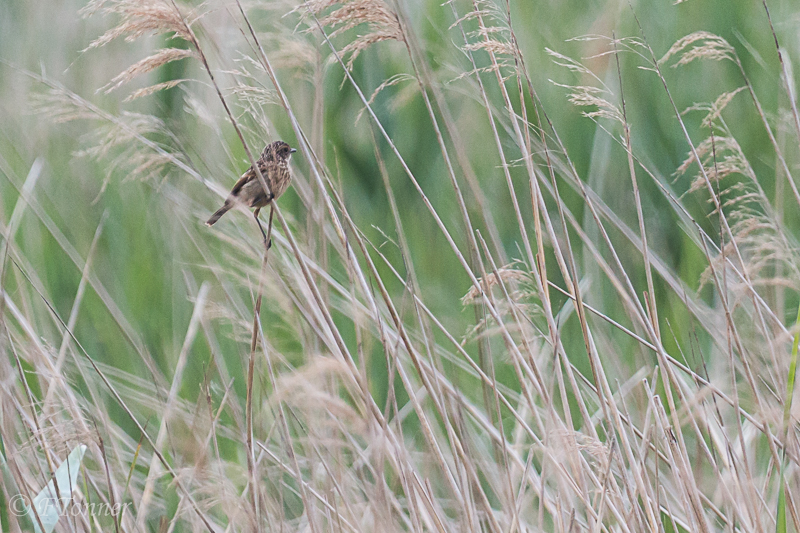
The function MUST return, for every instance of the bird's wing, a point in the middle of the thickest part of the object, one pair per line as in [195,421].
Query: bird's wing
[247,176]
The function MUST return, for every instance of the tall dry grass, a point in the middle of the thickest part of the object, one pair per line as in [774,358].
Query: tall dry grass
[584,381]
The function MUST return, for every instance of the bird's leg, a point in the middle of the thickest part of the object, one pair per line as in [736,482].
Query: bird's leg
[269,228]
[258,220]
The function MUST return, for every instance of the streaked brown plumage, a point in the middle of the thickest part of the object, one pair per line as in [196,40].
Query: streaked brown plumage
[274,166]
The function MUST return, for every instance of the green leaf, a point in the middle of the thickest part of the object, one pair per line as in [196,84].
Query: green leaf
[780,526]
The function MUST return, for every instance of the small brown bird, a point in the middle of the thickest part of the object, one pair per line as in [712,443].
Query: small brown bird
[274,166]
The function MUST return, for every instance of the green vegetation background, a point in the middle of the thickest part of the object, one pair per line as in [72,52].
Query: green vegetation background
[140,255]
[145,250]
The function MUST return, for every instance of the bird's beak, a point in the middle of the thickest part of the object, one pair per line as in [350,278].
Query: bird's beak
[293,150]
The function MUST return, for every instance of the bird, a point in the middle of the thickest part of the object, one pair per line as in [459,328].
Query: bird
[274,167]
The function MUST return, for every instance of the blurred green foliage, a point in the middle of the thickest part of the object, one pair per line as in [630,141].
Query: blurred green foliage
[141,258]
[145,257]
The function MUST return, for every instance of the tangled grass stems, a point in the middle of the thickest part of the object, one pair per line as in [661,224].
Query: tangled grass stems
[375,400]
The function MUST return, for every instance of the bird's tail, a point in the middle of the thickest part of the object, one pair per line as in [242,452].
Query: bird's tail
[218,214]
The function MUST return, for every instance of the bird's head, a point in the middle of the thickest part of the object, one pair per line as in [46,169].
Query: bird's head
[277,151]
